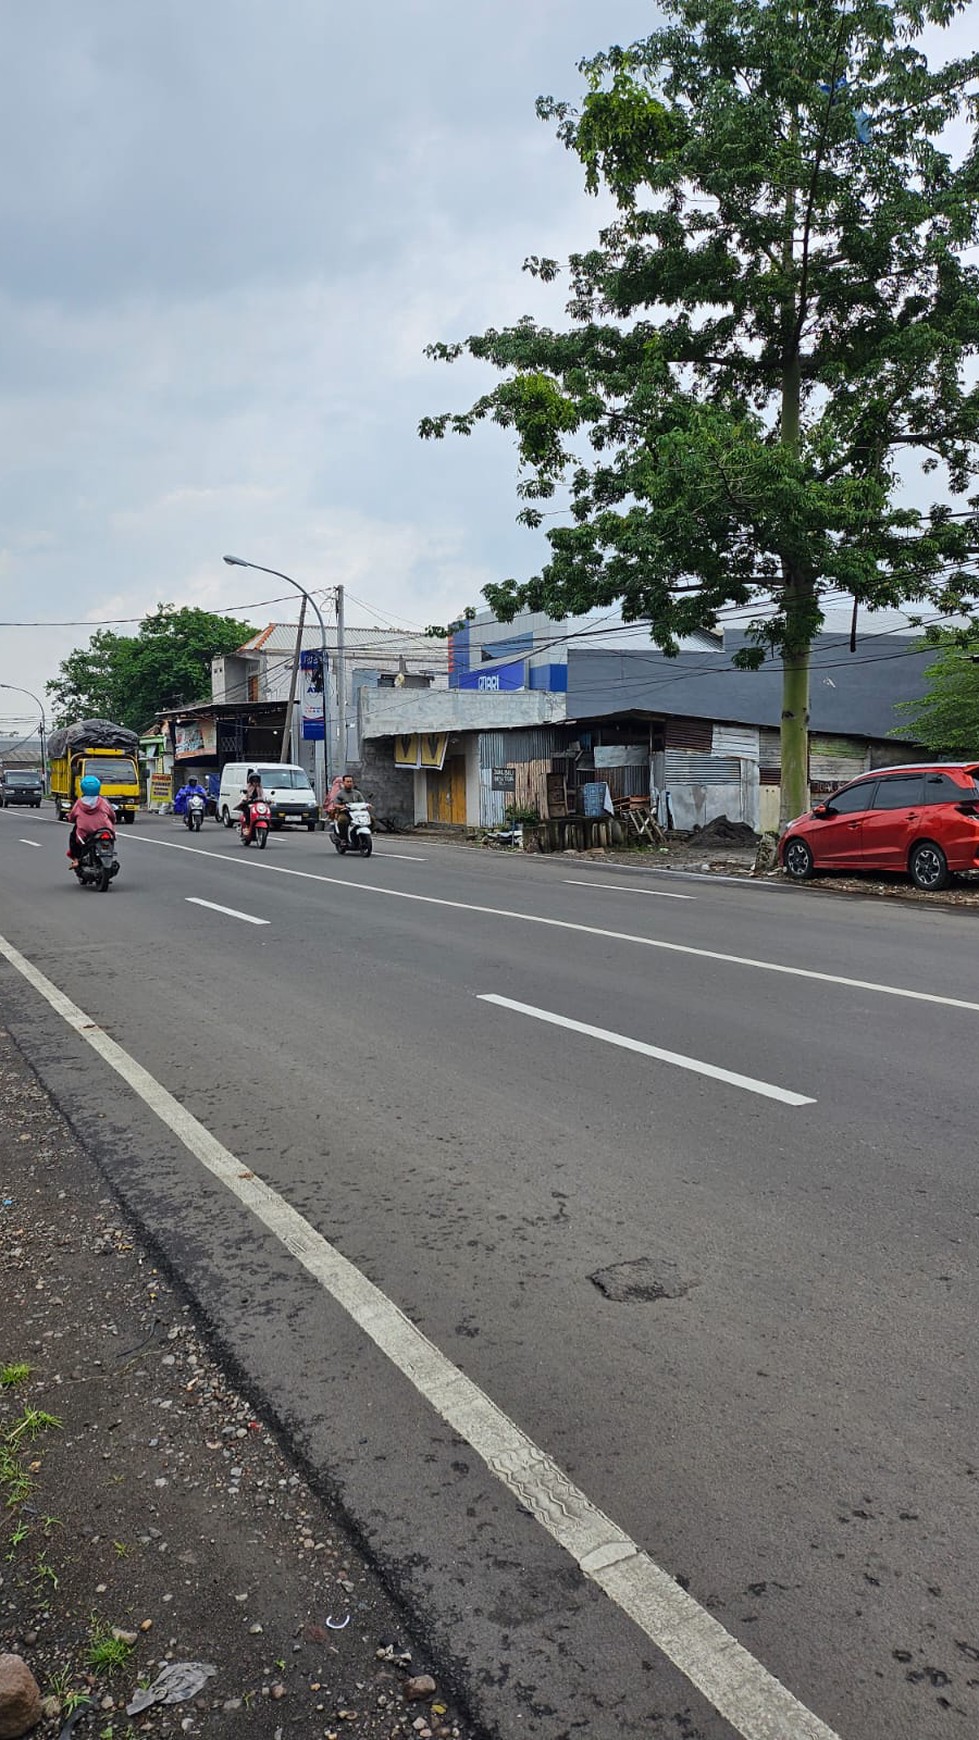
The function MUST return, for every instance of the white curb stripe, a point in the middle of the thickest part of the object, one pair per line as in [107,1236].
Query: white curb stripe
[756,1704]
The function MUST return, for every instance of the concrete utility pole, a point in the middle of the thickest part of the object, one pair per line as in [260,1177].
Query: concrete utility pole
[341,687]
[287,729]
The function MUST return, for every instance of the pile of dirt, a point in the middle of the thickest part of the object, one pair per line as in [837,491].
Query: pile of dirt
[722,832]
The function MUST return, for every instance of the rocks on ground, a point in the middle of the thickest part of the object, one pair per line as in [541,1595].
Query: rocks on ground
[155,1519]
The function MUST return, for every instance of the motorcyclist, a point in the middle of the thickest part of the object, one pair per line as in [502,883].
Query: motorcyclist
[253,794]
[347,794]
[184,795]
[89,815]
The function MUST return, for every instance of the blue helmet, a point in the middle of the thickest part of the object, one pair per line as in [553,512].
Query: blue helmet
[90,785]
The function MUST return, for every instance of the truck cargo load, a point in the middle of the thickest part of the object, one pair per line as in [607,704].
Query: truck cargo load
[99,747]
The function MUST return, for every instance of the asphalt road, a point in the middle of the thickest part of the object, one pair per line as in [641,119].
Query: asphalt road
[786,1423]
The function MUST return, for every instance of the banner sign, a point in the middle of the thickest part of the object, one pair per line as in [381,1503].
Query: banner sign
[161,788]
[312,668]
[504,779]
[196,737]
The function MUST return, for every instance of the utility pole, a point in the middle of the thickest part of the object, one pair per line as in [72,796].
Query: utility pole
[287,729]
[341,688]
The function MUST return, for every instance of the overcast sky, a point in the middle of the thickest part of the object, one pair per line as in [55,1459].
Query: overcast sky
[229,230]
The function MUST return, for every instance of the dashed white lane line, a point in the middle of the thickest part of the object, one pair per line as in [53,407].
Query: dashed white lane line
[646,942]
[229,911]
[626,888]
[766,1088]
[755,1703]
[35,843]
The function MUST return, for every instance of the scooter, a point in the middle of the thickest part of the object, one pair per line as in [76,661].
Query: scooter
[254,825]
[194,813]
[97,864]
[358,837]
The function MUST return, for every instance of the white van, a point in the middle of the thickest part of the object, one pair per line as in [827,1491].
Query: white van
[287,791]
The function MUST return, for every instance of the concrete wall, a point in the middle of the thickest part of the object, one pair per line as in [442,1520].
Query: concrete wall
[392,712]
[391,789]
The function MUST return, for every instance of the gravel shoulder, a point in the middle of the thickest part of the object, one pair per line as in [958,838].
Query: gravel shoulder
[157,1519]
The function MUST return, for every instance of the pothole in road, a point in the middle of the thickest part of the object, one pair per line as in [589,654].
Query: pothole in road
[643,1280]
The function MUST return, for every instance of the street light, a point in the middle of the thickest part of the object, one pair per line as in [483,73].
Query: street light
[239,562]
[44,758]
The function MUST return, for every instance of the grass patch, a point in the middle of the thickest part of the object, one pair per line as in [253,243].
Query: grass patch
[15,1480]
[11,1375]
[105,1653]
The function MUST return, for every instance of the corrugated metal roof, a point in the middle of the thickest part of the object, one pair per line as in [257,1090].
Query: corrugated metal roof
[361,642]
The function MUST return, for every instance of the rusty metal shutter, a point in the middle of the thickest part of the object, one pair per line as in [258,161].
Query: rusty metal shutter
[689,734]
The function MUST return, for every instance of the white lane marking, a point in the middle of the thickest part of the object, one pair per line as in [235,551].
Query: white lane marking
[35,843]
[646,942]
[750,1082]
[230,911]
[626,888]
[756,1704]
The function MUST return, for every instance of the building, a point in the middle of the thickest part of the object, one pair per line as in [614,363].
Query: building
[694,735]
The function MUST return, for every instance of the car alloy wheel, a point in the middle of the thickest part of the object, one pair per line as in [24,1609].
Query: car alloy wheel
[929,867]
[798,860]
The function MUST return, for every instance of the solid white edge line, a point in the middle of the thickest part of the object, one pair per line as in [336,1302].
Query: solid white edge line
[626,888]
[35,843]
[646,942]
[756,1704]
[766,1088]
[229,911]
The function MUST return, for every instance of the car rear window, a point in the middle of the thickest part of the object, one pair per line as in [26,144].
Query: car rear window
[900,791]
[943,788]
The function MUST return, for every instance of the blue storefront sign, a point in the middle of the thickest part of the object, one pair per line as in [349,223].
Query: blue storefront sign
[494,679]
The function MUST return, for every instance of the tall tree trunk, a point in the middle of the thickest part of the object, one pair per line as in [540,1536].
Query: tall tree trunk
[794,725]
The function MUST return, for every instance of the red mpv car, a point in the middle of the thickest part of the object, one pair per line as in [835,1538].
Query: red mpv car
[922,820]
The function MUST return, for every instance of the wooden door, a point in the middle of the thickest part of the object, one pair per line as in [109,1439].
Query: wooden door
[447,792]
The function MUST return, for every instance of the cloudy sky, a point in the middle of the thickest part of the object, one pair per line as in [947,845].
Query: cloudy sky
[230,229]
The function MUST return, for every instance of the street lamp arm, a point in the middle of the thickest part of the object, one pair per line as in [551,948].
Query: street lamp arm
[277,574]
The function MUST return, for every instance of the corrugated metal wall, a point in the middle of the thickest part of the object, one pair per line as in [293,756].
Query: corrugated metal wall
[687,767]
[529,753]
[834,760]
[739,740]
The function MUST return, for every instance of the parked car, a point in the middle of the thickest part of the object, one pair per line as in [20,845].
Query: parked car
[920,820]
[21,786]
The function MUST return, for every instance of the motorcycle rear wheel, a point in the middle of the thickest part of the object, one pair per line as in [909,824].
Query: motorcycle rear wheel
[104,878]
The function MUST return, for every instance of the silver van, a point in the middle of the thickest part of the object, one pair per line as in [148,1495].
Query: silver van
[287,791]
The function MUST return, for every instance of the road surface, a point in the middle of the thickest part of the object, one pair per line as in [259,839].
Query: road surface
[389,1120]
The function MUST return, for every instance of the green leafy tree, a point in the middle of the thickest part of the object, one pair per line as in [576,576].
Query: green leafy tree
[131,678]
[946,719]
[780,314]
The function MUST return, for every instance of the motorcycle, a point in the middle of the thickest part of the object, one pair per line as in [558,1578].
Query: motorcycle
[194,813]
[254,825]
[97,863]
[358,837]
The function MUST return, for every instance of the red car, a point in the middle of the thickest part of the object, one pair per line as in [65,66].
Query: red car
[922,820]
